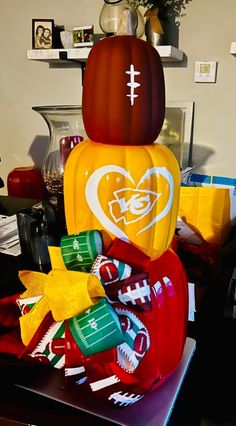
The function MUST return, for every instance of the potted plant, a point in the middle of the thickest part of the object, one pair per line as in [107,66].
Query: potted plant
[158,13]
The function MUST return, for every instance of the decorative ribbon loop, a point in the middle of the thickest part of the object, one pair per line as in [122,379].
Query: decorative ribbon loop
[97,329]
[80,250]
[133,292]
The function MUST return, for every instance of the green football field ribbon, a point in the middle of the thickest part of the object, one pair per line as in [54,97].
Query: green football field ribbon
[80,250]
[97,329]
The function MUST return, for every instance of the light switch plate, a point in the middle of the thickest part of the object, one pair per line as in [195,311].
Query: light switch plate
[205,72]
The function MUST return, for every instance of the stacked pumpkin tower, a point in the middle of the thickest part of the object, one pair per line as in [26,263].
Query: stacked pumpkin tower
[121,182]
[113,311]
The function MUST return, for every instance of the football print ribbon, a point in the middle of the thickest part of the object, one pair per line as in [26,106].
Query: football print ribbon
[133,292]
[78,299]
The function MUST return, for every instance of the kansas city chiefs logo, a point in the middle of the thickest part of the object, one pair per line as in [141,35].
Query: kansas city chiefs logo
[129,204]
[135,204]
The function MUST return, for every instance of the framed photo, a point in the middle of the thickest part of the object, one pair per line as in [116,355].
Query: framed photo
[176,132]
[83,36]
[42,33]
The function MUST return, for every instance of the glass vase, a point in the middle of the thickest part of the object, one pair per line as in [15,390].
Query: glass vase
[66,129]
[141,24]
[110,16]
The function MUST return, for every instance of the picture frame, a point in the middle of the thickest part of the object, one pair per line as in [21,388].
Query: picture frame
[177,130]
[42,33]
[83,36]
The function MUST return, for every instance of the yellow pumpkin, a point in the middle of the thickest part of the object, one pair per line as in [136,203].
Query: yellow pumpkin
[131,192]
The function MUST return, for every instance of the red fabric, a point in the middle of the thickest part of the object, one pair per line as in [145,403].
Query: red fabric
[128,253]
[207,251]
[10,341]
[9,312]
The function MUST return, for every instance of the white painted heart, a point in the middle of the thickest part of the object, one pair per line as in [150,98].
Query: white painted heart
[91,194]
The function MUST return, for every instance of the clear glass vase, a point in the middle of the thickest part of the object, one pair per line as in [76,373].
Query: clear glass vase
[66,129]
[110,16]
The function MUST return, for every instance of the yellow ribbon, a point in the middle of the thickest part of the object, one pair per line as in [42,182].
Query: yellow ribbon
[152,16]
[64,293]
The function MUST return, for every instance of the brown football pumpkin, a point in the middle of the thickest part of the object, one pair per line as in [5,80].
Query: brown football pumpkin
[123,92]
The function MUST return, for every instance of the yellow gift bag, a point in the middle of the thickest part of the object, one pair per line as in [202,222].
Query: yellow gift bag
[210,211]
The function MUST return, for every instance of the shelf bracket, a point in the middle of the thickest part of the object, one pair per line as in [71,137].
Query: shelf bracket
[64,57]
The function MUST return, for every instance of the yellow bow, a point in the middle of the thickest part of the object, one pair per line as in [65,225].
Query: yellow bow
[65,293]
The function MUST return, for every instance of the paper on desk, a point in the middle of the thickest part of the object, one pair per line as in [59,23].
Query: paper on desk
[186,174]
[9,237]
[191,302]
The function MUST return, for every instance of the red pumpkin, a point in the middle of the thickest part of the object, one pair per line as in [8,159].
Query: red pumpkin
[156,338]
[123,92]
[153,338]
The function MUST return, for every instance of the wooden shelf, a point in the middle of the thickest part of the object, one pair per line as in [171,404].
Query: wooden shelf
[58,55]
[170,53]
[167,53]
[233,48]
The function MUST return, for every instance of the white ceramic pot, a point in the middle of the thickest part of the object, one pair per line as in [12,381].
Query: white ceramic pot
[67,39]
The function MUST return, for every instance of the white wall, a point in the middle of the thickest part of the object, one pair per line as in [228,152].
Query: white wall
[205,34]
